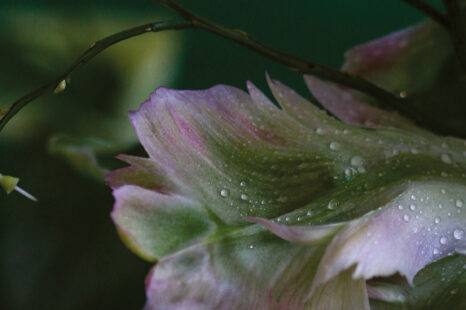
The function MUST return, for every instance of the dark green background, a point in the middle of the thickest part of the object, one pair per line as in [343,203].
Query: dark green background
[63,252]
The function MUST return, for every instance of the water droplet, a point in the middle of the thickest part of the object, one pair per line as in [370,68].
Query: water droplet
[402,94]
[251,246]
[335,146]
[436,251]
[320,131]
[443,240]
[412,207]
[224,193]
[282,199]
[244,196]
[446,158]
[413,197]
[357,161]
[443,191]
[309,213]
[458,234]
[459,203]
[406,218]
[400,207]
[242,183]
[332,204]
[349,171]
[437,220]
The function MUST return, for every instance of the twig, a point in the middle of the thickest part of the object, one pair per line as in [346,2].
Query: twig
[430,11]
[96,48]
[385,99]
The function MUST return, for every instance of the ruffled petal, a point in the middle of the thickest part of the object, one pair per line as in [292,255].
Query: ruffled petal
[417,228]
[219,157]
[416,64]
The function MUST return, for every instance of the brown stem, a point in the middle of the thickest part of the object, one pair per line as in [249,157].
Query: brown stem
[429,11]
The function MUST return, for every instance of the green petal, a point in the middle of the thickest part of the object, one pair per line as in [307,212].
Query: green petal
[222,156]
[154,224]
[422,225]
[342,292]
[83,154]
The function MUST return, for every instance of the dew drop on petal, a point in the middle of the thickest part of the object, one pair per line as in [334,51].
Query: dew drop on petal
[412,207]
[320,131]
[335,146]
[459,203]
[446,158]
[357,161]
[244,196]
[443,240]
[406,218]
[458,234]
[437,220]
[332,204]
[224,193]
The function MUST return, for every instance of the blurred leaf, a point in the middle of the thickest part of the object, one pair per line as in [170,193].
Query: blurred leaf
[102,91]
[82,153]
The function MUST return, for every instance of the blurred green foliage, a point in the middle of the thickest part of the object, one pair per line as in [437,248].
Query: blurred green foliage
[63,252]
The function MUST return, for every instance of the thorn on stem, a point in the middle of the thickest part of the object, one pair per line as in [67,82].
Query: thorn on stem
[25,194]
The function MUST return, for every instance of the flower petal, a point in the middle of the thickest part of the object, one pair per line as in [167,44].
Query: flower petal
[219,157]
[305,235]
[231,153]
[417,64]
[154,225]
[351,106]
[342,292]
[420,226]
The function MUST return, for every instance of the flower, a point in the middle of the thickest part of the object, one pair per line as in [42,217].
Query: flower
[246,205]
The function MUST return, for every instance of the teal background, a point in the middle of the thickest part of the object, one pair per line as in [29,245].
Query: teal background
[63,252]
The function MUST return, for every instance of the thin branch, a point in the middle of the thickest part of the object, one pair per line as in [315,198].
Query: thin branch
[385,99]
[430,11]
[96,48]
